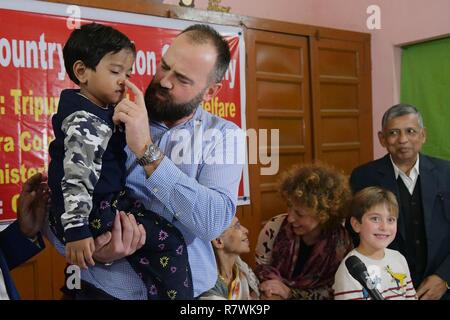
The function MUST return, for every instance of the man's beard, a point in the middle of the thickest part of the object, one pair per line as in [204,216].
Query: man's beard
[166,110]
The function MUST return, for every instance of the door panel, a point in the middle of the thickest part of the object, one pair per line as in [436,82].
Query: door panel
[342,109]
[278,97]
[41,277]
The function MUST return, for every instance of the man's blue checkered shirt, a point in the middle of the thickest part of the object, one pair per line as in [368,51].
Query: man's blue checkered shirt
[198,196]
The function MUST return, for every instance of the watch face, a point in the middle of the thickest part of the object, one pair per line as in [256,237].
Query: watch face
[151,155]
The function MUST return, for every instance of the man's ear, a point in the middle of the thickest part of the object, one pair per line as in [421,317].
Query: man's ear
[356,225]
[212,91]
[217,243]
[381,138]
[424,133]
[81,71]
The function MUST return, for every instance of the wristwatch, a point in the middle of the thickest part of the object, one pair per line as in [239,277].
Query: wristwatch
[152,154]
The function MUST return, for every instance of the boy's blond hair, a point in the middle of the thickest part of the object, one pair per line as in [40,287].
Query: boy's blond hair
[370,197]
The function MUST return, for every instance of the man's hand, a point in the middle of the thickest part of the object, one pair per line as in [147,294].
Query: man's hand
[32,206]
[125,238]
[432,288]
[274,289]
[80,252]
[134,116]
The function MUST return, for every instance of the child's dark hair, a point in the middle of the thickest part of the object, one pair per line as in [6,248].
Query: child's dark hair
[91,43]
[370,197]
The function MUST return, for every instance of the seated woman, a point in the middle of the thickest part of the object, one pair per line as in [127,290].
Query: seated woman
[298,252]
[236,281]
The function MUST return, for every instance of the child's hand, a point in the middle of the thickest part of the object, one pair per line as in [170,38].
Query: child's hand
[80,252]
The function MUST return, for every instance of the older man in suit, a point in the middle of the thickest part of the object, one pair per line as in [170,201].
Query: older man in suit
[422,186]
[21,240]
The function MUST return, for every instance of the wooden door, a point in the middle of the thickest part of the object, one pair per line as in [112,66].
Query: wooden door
[41,277]
[278,97]
[342,110]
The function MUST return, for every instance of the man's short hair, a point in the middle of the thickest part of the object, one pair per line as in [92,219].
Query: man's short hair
[370,197]
[202,34]
[400,110]
[90,44]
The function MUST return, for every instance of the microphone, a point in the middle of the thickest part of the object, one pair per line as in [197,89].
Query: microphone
[358,270]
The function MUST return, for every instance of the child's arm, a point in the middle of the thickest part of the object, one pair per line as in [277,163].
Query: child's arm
[86,139]
[80,252]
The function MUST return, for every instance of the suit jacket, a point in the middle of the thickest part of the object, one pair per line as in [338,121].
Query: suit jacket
[435,185]
[15,248]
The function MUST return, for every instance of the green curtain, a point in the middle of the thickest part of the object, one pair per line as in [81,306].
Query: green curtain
[425,83]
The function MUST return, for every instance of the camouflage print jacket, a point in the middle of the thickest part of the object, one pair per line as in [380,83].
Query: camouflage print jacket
[87,159]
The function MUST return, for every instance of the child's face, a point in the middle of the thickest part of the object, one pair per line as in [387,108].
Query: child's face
[377,228]
[105,85]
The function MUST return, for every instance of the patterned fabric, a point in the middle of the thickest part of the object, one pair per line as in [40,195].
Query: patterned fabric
[277,254]
[244,285]
[218,292]
[86,139]
[238,289]
[251,279]
[162,263]
[87,161]
[390,276]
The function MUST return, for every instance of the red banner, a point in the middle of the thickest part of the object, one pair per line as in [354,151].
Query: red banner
[32,76]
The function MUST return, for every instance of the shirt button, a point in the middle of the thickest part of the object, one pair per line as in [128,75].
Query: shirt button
[417,242]
[416,222]
[155,190]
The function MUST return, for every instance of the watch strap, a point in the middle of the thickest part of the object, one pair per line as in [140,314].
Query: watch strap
[152,154]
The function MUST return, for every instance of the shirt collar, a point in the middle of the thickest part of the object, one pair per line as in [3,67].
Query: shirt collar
[413,173]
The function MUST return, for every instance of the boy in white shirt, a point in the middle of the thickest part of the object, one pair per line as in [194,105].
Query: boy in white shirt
[374,214]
